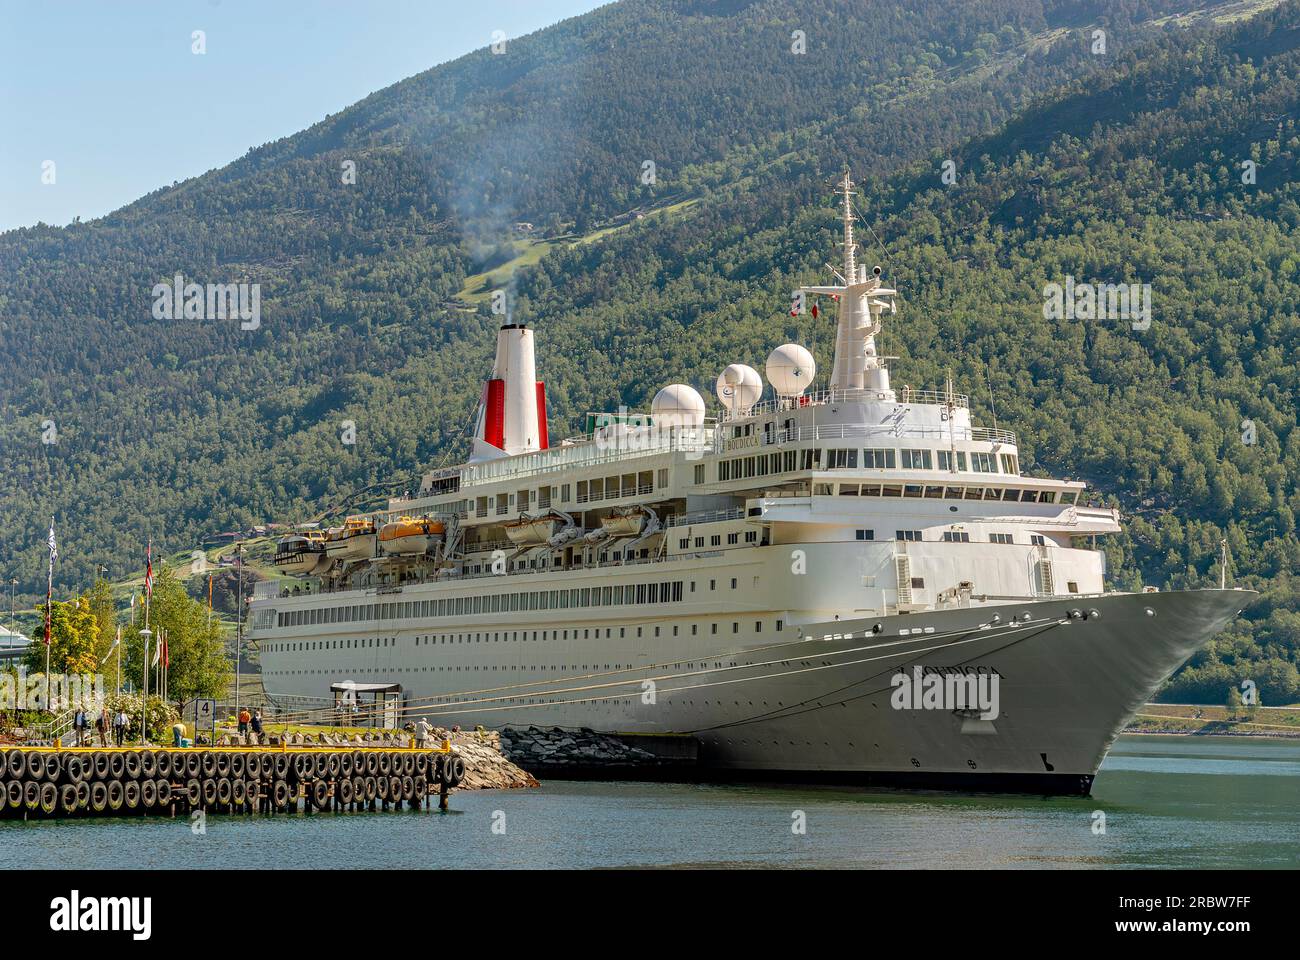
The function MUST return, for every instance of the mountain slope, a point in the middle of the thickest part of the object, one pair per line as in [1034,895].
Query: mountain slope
[1098,167]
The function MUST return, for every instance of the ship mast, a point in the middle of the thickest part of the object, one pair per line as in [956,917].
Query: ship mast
[862,301]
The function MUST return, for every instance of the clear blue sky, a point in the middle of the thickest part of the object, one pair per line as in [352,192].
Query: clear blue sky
[110,91]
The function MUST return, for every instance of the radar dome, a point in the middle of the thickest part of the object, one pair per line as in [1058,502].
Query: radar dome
[678,405]
[739,387]
[790,368]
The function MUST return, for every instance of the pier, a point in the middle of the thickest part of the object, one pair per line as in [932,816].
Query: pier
[59,782]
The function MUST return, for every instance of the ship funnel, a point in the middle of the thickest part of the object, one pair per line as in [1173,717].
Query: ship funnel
[512,413]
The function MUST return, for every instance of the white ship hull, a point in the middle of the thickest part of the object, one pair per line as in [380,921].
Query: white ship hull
[777,704]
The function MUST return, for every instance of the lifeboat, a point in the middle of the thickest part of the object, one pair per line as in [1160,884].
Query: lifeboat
[534,531]
[625,521]
[301,554]
[355,540]
[411,536]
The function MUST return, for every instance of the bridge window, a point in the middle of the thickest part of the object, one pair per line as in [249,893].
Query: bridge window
[878,459]
[917,460]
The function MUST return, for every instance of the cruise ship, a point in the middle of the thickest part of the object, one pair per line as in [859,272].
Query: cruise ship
[763,581]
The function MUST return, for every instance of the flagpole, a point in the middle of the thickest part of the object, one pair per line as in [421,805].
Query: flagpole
[119,660]
[49,595]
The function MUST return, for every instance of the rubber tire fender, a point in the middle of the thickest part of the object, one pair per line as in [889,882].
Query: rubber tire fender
[193,766]
[238,792]
[74,769]
[131,794]
[344,790]
[210,792]
[133,764]
[166,763]
[408,788]
[116,794]
[67,799]
[457,766]
[36,767]
[320,792]
[50,797]
[14,788]
[164,791]
[381,787]
[384,762]
[238,766]
[223,765]
[148,765]
[193,792]
[224,791]
[394,788]
[148,793]
[32,794]
[99,796]
[209,765]
[280,794]
[100,764]
[17,764]
[117,765]
[83,794]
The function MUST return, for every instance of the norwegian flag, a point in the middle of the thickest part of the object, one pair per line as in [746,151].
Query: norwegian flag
[814,310]
[166,658]
[148,570]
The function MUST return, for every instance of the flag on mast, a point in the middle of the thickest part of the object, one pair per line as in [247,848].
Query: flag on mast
[166,657]
[157,650]
[49,580]
[148,567]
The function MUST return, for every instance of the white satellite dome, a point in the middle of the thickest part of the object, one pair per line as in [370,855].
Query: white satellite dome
[678,405]
[790,368]
[739,387]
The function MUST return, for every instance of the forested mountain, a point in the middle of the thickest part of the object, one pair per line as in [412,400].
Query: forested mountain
[1122,165]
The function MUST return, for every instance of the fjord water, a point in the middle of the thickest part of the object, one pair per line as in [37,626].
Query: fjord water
[1168,802]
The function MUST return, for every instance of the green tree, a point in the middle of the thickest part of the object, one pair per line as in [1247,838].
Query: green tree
[198,666]
[74,633]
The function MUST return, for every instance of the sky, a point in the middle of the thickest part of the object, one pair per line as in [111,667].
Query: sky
[102,101]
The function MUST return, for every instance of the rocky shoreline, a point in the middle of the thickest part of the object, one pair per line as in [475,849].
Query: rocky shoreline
[557,750]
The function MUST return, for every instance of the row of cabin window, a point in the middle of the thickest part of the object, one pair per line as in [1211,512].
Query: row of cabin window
[666,592]
[847,458]
[950,536]
[605,488]
[733,539]
[918,491]
[350,643]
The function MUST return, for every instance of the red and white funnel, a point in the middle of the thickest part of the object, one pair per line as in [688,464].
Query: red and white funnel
[512,414]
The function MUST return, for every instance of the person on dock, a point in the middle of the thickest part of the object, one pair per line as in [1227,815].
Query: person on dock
[123,724]
[256,723]
[79,726]
[243,721]
[422,732]
[101,726]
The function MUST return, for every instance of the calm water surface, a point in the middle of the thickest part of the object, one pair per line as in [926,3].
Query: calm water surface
[1168,802]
